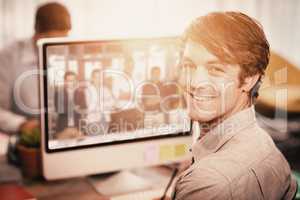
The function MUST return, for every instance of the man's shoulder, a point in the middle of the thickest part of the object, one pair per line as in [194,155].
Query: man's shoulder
[13,52]
[201,181]
[252,144]
[247,157]
[16,45]
[253,148]
[220,166]
[205,168]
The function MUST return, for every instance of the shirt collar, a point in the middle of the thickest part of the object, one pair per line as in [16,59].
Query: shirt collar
[222,133]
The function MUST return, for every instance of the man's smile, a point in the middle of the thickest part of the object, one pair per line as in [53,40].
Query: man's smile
[201,97]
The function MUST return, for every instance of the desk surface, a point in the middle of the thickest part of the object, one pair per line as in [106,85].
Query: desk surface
[76,188]
[73,189]
[80,188]
[67,189]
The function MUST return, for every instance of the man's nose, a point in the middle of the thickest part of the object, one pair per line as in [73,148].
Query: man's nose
[200,77]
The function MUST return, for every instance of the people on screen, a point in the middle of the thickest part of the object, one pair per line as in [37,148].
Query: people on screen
[68,103]
[152,91]
[100,104]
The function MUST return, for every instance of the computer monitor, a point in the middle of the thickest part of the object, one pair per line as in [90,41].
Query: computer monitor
[110,104]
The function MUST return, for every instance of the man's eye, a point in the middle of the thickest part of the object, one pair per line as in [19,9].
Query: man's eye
[215,70]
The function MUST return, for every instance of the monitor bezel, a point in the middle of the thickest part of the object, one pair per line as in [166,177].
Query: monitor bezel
[65,41]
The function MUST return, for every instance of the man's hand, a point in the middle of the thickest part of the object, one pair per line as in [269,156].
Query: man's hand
[29,125]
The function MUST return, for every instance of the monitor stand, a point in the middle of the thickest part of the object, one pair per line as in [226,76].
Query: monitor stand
[131,181]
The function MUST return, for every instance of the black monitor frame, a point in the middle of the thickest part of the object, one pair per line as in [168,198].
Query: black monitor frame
[45,98]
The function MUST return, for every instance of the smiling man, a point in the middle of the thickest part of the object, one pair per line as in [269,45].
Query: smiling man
[224,59]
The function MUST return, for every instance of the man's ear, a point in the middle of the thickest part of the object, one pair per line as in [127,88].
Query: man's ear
[249,82]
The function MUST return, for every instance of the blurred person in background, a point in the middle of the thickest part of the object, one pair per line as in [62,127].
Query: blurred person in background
[19,99]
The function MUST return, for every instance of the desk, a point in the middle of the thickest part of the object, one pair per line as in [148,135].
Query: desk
[70,189]
[76,188]
[73,189]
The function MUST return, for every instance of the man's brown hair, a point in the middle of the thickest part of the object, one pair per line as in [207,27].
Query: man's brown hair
[69,73]
[52,17]
[234,38]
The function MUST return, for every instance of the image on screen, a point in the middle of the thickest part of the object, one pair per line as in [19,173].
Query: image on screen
[105,92]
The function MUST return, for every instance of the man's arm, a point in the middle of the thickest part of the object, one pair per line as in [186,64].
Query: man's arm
[9,121]
[202,183]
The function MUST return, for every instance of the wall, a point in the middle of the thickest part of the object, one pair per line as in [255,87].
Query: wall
[100,18]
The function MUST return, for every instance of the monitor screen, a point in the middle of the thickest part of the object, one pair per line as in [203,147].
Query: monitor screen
[112,91]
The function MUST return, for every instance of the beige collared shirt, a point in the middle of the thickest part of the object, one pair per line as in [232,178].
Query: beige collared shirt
[236,160]
[19,96]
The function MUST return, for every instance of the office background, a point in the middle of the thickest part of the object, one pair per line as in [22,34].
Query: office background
[99,18]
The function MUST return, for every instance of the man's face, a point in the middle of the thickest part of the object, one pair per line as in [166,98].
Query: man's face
[211,87]
[96,78]
[70,81]
[155,75]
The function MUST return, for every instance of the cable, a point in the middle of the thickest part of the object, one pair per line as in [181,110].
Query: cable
[170,183]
